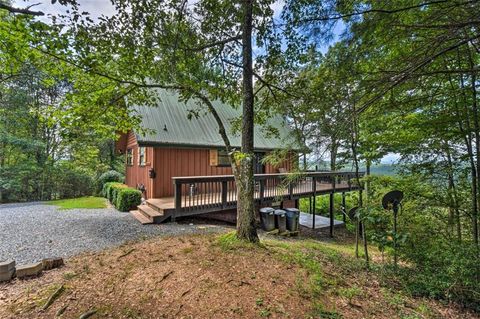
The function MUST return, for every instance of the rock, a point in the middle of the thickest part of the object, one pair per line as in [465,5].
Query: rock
[7,276]
[51,263]
[29,270]
[6,266]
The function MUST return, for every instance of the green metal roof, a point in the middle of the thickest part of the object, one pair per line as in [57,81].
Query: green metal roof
[171,126]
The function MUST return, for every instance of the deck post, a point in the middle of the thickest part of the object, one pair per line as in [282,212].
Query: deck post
[331,213]
[262,190]
[224,193]
[314,189]
[344,207]
[178,195]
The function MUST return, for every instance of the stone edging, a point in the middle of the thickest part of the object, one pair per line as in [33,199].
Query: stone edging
[9,270]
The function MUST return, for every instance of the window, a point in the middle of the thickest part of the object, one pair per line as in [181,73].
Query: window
[141,156]
[129,157]
[219,158]
[223,158]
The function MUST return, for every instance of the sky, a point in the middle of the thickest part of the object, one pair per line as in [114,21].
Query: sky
[94,7]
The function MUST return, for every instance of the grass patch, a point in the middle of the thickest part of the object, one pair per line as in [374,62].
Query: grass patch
[81,202]
[230,242]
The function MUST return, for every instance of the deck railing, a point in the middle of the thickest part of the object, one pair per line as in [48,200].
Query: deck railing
[212,193]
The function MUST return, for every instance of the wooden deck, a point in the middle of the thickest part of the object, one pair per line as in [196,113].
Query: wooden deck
[205,194]
[214,200]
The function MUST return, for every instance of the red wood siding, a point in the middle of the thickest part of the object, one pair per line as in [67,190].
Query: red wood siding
[170,162]
[174,162]
[137,174]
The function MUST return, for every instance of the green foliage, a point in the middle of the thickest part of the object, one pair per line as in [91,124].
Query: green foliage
[323,204]
[106,189]
[27,181]
[127,198]
[72,182]
[109,176]
[443,270]
[115,189]
[440,266]
[41,159]
[82,202]
[111,189]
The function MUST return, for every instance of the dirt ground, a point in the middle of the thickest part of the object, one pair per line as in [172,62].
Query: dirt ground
[196,277]
[184,277]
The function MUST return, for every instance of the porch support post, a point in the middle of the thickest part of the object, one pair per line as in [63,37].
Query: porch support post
[262,190]
[177,198]
[224,193]
[344,207]
[314,201]
[331,213]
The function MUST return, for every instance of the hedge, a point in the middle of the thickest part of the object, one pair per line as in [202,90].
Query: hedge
[114,190]
[121,196]
[107,188]
[128,198]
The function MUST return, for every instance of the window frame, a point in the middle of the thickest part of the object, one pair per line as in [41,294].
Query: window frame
[223,154]
[129,157]
[142,152]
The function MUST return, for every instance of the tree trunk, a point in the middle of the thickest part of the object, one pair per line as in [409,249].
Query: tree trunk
[471,157]
[476,127]
[246,229]
[454,216]
[361,225]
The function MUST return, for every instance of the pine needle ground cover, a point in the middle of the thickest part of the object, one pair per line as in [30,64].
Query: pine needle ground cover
[215,276]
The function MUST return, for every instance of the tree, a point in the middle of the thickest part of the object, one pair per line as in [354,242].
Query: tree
[198,50]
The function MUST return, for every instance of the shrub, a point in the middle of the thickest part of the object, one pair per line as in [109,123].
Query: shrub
[106,190]
[110,190]
[109,176]
[128,198]
[114,190]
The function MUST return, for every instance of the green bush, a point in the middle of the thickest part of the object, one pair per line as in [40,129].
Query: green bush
[128,198]
[107,177]
[106,190]
[110,190]
[114,190]
[442,269]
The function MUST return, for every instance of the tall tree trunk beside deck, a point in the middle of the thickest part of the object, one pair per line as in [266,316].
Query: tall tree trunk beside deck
[246,229]
[360,192]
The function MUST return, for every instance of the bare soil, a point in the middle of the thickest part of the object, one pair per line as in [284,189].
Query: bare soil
[194,277]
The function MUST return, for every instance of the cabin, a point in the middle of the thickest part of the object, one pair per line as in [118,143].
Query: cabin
[180,164]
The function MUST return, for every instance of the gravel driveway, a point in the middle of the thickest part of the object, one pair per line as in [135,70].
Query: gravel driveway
[32,231]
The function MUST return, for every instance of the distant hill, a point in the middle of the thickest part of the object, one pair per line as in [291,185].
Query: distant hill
[383,169]
[376,169]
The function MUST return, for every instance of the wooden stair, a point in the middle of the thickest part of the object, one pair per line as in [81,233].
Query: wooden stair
[150,213]
[140,217]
